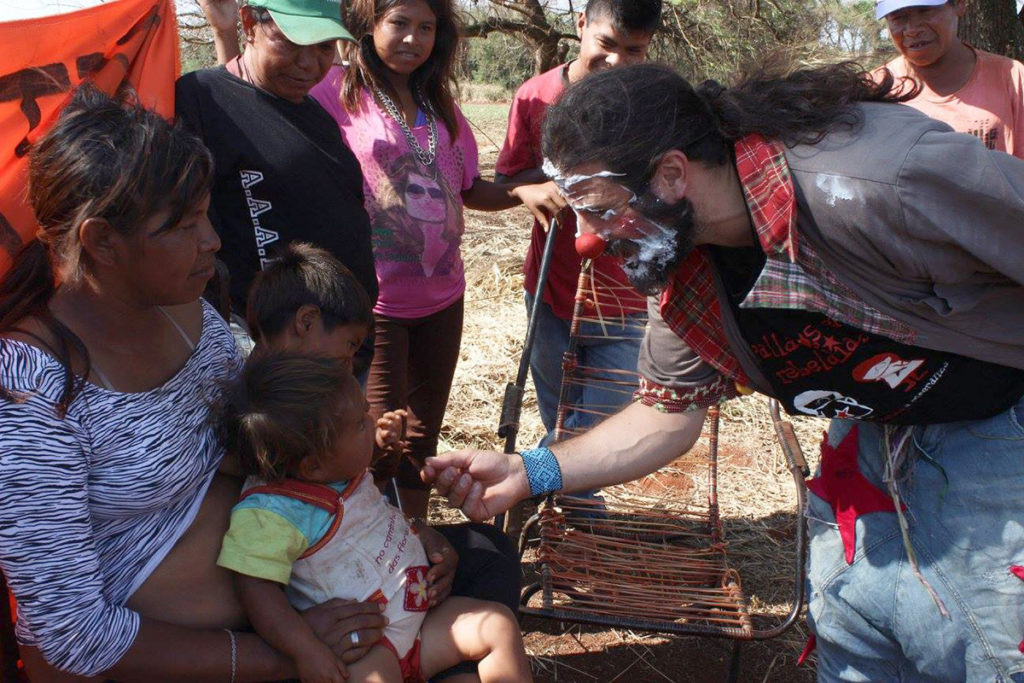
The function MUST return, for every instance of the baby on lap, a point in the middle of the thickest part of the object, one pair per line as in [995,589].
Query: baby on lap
[311,526]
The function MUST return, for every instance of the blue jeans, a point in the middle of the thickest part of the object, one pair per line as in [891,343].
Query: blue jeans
[873,619]
[617,352]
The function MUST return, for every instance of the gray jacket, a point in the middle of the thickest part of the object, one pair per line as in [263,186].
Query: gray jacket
[919,222]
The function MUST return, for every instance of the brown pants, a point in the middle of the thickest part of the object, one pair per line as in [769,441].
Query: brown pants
[413,364]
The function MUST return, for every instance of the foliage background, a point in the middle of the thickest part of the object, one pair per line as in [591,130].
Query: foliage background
[701,38]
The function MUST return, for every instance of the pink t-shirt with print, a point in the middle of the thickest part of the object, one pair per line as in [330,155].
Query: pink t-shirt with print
[415,210]
[990,106]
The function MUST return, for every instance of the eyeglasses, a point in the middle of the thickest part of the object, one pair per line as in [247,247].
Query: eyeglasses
[598,198]
[418,191]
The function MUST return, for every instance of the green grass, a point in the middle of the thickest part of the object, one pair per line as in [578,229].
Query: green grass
[489,122]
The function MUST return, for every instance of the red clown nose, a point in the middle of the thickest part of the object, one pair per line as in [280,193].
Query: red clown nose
[590,246]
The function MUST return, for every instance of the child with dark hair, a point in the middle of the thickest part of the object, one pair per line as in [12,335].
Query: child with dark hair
[311,526]
[612,33]
[975,92]
[307,301]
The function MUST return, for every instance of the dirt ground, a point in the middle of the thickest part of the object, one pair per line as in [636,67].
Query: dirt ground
[756,491]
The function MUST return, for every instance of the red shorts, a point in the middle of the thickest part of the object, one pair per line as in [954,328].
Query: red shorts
[410,663]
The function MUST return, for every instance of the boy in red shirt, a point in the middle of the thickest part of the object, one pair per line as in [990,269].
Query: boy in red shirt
[975,92]
[612,33]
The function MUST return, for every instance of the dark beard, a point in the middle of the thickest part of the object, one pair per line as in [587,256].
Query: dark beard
[650,275]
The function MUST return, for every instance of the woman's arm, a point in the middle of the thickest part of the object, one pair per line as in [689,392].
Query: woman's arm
[222,16]
[543,200]
[164,652]
[46,539]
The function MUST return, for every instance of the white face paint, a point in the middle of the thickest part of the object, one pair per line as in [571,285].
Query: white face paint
[605,206]
[609,209]
[568,180]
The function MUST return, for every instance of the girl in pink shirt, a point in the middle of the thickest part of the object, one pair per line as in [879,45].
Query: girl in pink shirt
[395,109]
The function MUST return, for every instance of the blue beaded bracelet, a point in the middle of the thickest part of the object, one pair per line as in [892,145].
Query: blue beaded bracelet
[542,470]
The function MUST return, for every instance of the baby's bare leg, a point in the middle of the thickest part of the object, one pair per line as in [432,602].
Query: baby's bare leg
[378,666]
[465,629]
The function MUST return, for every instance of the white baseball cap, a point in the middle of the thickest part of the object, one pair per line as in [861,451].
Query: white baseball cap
[883,7]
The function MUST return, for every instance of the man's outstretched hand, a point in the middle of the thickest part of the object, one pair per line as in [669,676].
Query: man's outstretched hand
[482,483]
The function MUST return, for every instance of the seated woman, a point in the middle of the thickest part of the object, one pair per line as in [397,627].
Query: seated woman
[112,511]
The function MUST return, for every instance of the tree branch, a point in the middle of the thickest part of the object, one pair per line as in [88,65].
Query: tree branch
[481,29]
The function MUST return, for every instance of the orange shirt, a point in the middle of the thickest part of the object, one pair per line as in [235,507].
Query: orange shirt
[989,106]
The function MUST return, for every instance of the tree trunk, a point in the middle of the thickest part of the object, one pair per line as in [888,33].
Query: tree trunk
[993,26]
[545,54]
[526,20]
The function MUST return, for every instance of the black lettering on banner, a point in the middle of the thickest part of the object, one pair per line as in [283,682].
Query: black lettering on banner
[87,65]
[151,20]
[28,85]
[31,83]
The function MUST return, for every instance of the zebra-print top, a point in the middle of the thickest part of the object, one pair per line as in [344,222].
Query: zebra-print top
[90,504]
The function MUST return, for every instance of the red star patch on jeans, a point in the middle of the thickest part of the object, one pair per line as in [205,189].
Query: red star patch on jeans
[846,490]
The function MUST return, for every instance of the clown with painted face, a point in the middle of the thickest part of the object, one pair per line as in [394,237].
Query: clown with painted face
[786,252]
[649,236]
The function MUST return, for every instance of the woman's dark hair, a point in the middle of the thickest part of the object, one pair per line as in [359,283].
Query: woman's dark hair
[628,117]
[282,409]
[104,158]
[303,274]
[434,78]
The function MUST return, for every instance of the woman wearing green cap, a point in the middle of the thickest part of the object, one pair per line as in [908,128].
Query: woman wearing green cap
[283,173]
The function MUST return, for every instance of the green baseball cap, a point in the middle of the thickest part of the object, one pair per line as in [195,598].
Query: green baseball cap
[307,22]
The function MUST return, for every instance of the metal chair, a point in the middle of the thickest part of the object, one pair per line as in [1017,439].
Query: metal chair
[648,564]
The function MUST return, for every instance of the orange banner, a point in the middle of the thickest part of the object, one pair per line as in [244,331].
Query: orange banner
[44,59]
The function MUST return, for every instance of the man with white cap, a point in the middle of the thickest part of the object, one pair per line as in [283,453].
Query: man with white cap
[974,91]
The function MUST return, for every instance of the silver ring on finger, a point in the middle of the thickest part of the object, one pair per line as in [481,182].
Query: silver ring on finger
[355,638]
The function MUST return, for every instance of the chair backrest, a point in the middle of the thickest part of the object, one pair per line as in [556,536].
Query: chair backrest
[651,554]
